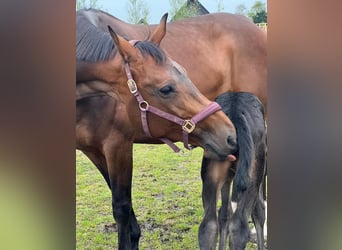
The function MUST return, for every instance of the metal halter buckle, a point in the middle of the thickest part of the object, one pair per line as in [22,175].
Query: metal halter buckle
[143,105]
[132,86]
[188,126]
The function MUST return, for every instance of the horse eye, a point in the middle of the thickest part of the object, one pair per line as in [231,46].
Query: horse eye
[167,90]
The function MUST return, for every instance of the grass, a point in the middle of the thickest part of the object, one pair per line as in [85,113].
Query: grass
[166,199]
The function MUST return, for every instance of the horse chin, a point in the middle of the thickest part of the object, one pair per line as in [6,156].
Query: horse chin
[211,153]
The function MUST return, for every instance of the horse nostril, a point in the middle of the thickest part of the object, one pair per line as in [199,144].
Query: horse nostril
[232,141]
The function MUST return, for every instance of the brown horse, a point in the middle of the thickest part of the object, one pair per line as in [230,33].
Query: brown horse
[159,102]
[221,52]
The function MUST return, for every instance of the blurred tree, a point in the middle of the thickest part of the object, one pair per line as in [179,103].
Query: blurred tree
[137,12]
[258,12]
[241,10]
[219,5]
[81,4]
[182,9]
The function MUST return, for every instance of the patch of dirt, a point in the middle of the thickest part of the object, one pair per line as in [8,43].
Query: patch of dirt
[109,228]
[166,233]
[253,239]
[149,225]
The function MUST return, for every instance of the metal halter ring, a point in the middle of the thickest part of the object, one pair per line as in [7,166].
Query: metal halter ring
[143,105]
[132,86]
[188,126]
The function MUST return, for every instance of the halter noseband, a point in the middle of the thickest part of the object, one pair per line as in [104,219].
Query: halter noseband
[187,125]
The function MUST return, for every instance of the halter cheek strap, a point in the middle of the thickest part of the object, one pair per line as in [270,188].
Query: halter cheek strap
[187,125]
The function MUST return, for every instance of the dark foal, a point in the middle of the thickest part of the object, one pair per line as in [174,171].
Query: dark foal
[247,173]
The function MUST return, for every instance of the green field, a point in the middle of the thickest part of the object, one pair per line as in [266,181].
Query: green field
[166,199]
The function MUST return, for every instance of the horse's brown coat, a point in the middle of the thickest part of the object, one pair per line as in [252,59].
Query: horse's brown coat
[220,52]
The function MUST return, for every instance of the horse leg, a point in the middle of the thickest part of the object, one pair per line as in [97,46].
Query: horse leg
[264,159]
[264,187]
[119,161]
[234,198]
[238,227]
[207,234]
[258,217]
[134,231]
[250,202]
[258,213]
[100,162]
[226,211]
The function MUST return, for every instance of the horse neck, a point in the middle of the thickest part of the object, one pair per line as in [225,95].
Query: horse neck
[110,71]
[130,31]
[95,79]
[92,88]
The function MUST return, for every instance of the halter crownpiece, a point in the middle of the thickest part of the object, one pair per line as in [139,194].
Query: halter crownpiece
[187,125]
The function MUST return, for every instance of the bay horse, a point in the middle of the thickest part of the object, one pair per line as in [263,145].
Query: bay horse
[132,91]
[221,52]
[247,114]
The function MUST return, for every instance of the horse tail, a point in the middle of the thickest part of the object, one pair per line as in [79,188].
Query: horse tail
[245,145]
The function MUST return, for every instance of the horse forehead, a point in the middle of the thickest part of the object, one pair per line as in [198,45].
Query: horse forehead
[178,67]
[150,66]
[155,71]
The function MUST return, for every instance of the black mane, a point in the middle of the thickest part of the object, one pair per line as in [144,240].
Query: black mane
[94,45]
[149,48]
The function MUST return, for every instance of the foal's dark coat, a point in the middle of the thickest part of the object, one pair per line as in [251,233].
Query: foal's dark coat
[247,114]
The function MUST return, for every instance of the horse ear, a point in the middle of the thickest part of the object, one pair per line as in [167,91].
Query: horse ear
[160,31]
[126,50]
